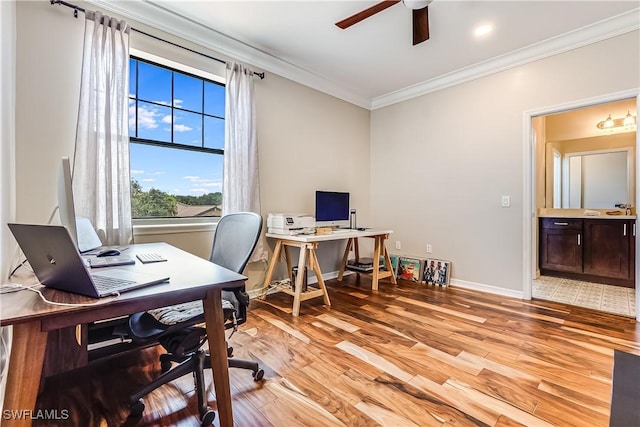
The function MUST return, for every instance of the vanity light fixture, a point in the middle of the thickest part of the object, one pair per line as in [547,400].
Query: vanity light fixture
[629,120]
[609,123]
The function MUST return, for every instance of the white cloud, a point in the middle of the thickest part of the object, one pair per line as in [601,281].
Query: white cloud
[147,117]
[198,190]
[181,128]
[159,173]
[177,102]
[166,119]
[148,180]
[136,171]
[202,181]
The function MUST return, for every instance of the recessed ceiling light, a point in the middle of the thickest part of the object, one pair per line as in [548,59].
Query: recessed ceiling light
[483,30]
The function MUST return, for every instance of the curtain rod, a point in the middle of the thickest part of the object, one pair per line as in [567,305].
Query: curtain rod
[77,9]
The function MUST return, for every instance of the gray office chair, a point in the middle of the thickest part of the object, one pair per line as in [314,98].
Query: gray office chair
[175,327]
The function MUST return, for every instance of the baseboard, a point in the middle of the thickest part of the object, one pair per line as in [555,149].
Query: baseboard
[254,293]
[485,288]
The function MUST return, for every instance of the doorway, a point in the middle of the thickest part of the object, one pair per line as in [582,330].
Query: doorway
[544,162]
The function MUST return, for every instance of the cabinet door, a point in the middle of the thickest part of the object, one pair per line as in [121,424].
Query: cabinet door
[607,247]
[561,245]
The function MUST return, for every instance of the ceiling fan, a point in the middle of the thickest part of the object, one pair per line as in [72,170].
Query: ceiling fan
[420,17]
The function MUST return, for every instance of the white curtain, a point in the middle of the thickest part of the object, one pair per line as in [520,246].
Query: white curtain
[101,183]
[241,178]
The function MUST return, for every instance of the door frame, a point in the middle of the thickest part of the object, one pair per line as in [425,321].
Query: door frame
[529,215]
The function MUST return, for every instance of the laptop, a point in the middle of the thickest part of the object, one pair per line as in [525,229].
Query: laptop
[58,265]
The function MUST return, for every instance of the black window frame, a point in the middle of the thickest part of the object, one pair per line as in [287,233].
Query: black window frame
[173,145]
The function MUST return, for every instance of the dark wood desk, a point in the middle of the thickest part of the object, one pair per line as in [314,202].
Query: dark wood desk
[191,278]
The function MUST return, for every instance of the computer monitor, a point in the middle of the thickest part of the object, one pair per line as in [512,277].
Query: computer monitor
[66,207]
[80,229]
[332,208]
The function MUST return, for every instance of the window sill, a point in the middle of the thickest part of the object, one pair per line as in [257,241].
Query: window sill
[173,226]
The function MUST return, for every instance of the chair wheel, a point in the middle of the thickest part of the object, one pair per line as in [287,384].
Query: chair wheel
[136,409]
[165,365]
[258,375]
[208,417]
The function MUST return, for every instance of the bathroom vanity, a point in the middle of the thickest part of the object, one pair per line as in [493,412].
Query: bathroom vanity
[591,248]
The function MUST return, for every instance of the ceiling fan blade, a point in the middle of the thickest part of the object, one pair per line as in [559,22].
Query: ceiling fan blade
[420,25]
[360,16]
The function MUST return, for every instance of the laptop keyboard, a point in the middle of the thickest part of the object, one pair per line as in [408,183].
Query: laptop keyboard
[106,284]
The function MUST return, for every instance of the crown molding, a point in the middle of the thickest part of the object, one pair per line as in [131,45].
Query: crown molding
[612,27]
[156,16]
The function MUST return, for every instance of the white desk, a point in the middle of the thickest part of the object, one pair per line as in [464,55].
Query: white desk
[308,244]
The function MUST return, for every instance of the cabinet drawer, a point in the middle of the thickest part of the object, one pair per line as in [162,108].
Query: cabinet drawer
[561,223]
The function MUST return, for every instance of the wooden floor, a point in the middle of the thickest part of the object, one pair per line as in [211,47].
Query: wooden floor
[408,355]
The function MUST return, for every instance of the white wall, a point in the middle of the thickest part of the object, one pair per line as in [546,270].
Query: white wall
[48,60]
[449,156]
[307,140]
[7,165]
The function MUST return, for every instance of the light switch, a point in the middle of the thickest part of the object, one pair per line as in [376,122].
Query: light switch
[506,201]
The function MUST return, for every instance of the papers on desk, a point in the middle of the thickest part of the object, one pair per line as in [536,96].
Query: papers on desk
[292,231]
[110,261]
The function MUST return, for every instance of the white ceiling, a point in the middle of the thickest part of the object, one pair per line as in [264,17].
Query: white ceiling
[373,63]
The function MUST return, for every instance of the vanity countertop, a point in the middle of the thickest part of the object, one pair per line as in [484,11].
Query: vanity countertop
[580,213]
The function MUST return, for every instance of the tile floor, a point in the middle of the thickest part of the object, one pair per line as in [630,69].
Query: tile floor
[612,299]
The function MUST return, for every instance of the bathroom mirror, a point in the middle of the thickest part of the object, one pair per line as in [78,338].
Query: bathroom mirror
[591,173]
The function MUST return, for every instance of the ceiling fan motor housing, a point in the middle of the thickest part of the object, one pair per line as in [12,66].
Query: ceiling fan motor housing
[416,4]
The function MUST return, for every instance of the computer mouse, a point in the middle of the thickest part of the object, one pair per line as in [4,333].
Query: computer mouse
[108,252]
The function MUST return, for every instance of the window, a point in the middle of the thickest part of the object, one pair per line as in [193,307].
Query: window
[176,129]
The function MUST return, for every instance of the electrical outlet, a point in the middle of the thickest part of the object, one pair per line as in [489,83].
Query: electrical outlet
[398,244]
[429,249]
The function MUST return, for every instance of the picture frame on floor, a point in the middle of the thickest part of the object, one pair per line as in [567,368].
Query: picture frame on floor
[436,272]
[394,263]
[409,269]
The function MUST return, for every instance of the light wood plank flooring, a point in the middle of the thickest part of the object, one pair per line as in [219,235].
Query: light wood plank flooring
[408,355]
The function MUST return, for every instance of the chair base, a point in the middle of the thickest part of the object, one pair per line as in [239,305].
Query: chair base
[195,364]
[257,372]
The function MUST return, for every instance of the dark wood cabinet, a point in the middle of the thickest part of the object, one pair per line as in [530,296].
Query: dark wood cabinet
[607,248]
[601,250]
[560,244]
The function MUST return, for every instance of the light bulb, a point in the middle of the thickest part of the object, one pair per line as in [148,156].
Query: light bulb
[609,122]
[629,120]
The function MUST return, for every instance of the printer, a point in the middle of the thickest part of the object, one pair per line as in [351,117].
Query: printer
[291,223]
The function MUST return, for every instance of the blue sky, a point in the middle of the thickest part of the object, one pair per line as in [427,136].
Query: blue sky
[174,171]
